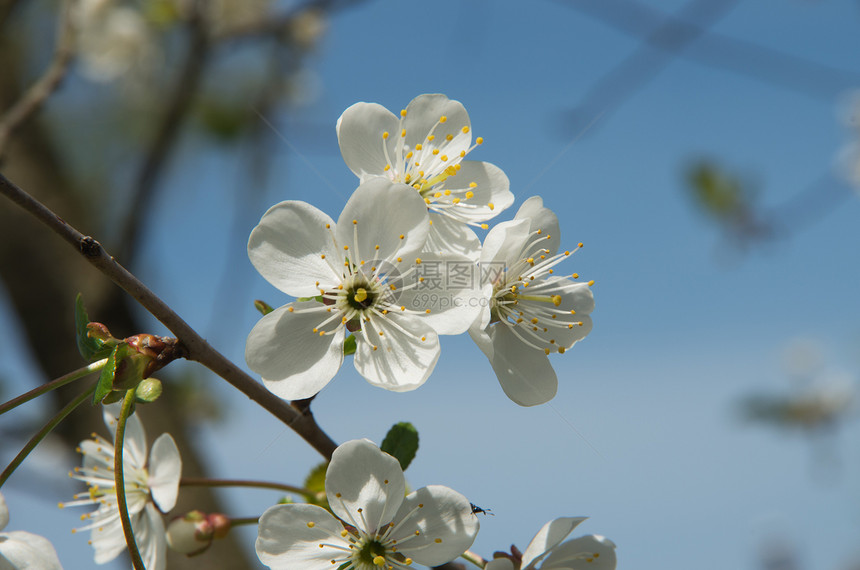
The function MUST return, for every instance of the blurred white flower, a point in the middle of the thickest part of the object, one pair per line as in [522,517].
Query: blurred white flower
[151,488]
[21,550]
[112,39]
[360,276]
[532,312]
[379,527]
[547,551]
[424,147]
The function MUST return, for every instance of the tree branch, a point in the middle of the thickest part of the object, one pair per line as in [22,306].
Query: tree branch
[31,101]
[195,347]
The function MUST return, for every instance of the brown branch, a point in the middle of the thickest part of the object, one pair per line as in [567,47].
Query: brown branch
[196,348]
[33,99]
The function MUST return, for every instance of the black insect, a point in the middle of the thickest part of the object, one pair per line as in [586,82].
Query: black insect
[476,509]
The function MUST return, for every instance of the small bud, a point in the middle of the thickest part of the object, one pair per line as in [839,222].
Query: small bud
[191,534]
[148,390]
[100,332]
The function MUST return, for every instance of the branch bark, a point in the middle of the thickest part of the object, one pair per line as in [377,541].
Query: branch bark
[195,347]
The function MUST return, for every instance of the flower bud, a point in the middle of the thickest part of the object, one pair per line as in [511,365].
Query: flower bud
[148,390]
[192,534]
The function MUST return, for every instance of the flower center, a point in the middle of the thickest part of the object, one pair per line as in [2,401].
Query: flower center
[428,166]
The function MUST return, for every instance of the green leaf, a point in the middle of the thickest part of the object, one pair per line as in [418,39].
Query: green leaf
[315,482]
[263,307]
[401,442]
[105,385]
[91,349]
[318,299]
[349,345]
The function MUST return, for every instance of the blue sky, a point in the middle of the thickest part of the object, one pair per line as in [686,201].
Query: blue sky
[643,436]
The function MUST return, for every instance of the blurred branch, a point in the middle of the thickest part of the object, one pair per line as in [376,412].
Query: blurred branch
[196,348]
[176,112]
[31,101]
[674,34]
[6,8]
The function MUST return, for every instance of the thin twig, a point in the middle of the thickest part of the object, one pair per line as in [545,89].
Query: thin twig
[119,481]
[42,433]
[200,482]
[33,99]
[195,347]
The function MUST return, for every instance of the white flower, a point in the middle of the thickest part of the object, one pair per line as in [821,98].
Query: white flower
[365,270]
[112,39]
[21,550]
[532,310]
[151,488]
[592,552]
[378,526]
[424,147]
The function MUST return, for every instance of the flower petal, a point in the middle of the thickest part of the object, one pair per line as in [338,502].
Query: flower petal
[359,134]
[500,564]
[406,351]
[150,538]
[364,485]
[423,114]
[524,372]
[592,552]
[437,525]
[542,219]
[491,186]
[300,537]
[548,537]
[134,446]
[165,470]
[21,550]
[446,288]
[503,246]
[449,235]
[288,245]
[294,361]
[367,223]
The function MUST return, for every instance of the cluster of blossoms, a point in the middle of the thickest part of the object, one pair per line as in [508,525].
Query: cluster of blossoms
[363,286]
[151,488]
[376,275]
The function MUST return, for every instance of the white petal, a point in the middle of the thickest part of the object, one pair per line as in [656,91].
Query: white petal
[384,211]
[289,538]
[21,550]
[364,485]
[543,219]
[294,361]
[445,525]
[402,361]
[4,512]
[359,134]
[150,538]
[287,247]
[165,470]
[424,112]
[491,187]
[451,292]
[592,552]
[503,246]
[548,537]
[134,445]
[524,372]
[451,236]
[108,539]
[500,564]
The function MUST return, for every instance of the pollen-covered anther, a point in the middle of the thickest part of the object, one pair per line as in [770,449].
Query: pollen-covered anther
[556,300]
[479,140]
[591,283]
[311,524]
[443,119]
[385,135]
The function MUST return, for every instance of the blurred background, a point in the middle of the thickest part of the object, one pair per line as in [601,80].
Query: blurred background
[705,151]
